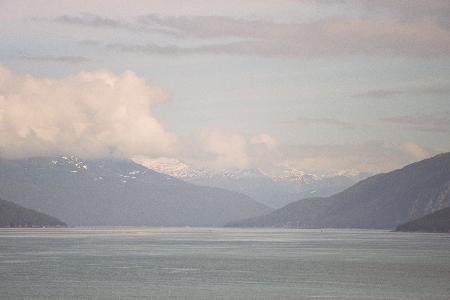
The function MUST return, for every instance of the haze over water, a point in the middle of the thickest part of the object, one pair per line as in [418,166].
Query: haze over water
[213,263]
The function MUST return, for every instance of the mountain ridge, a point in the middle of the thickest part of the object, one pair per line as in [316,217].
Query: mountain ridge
[272,189]
[380,202]
[13,215]
[438,221]
[116,192]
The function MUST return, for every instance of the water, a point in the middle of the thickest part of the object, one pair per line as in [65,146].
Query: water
[202,263]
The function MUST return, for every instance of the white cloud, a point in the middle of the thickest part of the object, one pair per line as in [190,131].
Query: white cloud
[228,149]
[264,139]
[91,114]
[224,149]
[327,37]
[437,122]
[414,150]
[219,148]
[98,114]
[373,157]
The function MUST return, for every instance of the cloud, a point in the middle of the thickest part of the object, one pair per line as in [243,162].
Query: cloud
[91,20]
[437,90]
[414,150]
[57,59]
[436,9]
[435,123]
[379,94]
[331,36]
[89,43]
[225,148]
[100,22]
[220,148]
[91,114]
[155,49]
[265,140]
[329,122]
[339,35]
[372,157]
[391,93]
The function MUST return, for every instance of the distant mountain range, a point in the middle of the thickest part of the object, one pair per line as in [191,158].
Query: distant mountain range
[13,215]
[381,201]
[439,221]
[111,192]
[273,190]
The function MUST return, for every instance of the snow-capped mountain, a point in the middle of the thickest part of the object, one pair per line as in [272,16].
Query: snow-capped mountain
[117,192]
[169,166]
[274,189]
[296,176]
[98,169]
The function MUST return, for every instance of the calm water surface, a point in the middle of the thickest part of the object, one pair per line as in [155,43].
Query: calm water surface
[203,263]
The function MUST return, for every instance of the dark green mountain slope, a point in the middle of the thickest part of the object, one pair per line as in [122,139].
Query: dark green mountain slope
[439,221]
[381,201]
[13,215]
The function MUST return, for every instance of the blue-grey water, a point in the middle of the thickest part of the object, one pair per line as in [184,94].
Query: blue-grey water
[202,263]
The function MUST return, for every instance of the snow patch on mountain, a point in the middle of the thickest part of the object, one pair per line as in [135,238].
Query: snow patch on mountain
[76,165]
[276,188]
[169,166]
[179,169]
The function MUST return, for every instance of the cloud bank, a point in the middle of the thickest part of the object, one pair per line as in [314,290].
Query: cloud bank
[66,59]
[219,148]
[101,114]
[392,93]
[91,114]
[331,36]
[373,157]
[327,122]
[439,122]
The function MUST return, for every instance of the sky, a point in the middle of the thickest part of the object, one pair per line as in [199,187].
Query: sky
[323,86]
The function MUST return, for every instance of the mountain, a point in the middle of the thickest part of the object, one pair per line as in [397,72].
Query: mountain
[439,221]
[112,192]
[381,201]
[13,215]
[274,190]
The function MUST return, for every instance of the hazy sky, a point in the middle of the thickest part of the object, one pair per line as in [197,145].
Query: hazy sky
[323,86]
